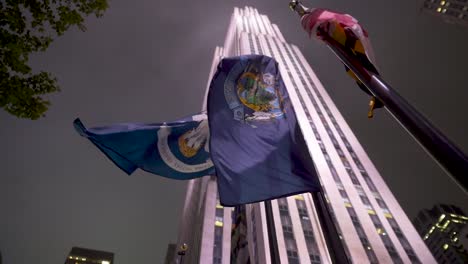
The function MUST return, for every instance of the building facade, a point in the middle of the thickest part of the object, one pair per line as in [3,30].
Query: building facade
[450,11]
[444,228]
[367,215]
[79,255]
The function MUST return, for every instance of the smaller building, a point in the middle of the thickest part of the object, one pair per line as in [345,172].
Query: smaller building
[444,229]
[170,254]
[451,11]
[79,255]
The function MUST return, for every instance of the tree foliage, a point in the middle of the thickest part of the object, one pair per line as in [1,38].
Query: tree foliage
[28,26]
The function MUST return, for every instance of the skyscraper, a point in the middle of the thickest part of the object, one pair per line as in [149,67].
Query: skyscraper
[451,11]
[444,228]
[368,217]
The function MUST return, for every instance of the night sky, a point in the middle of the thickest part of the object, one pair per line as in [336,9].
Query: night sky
[148,61]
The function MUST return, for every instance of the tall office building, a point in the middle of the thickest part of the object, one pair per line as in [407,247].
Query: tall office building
[444,228]
[450,11]
[371,223]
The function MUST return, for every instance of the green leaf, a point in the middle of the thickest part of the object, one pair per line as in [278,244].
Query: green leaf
[21,91]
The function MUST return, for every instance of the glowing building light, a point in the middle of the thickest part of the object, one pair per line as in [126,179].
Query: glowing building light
[441,217]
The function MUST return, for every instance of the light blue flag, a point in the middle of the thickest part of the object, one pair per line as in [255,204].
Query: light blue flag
[177,150]
[256,144]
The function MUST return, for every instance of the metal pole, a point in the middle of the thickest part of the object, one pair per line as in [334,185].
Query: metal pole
[330,233]
[272,239]
[447,154]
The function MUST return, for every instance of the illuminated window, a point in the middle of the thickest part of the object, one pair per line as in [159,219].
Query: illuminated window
[441,218]
[439,9]
[388,215]
[299,197]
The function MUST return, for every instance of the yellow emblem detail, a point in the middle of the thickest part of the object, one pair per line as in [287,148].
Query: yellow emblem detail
[185,149]
[250,93]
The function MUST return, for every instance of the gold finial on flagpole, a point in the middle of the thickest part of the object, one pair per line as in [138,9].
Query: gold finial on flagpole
[296,6]
[370,114]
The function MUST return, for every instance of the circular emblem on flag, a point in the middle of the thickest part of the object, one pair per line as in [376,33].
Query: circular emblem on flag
[252,95]
[191,141]
[185,150]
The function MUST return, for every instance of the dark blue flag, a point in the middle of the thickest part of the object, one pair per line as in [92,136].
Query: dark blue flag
[177,150]
[256,144]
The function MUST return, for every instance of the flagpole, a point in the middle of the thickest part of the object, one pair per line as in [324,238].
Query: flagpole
[272,238]
[329,230]
[441,149]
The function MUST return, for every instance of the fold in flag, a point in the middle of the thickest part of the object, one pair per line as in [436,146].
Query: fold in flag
[255,142]
[177,150]
[346,30]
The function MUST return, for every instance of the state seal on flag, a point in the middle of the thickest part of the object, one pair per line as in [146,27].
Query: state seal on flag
[252,94]
[185,151]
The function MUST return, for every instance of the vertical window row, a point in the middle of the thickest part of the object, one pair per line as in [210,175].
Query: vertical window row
[252,47]
[289,240]
[306,224]
[385,239]
[218,233]
[254,236]
[257,40]
[409,251]
[340,152]
[362,235]
[247,28]
[304,106]
[404,242]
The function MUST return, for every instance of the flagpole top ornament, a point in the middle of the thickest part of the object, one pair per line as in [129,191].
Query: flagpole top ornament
[183,249]
[299,8]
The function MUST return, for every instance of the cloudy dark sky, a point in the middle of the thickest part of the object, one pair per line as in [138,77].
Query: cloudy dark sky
[148,61]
